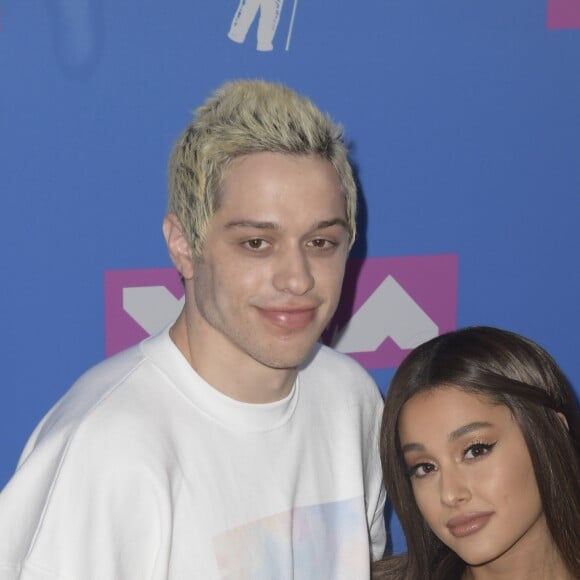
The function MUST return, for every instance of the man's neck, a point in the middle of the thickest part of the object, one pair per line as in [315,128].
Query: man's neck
[238,377]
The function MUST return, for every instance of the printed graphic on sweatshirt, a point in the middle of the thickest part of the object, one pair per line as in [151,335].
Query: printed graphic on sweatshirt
[267,14]
[321,541]
[388,306]
[563,14]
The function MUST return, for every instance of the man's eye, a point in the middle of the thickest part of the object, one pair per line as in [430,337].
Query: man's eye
[322,243]
[255,244]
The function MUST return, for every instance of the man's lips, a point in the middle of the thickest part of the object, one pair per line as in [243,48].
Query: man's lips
[461,526]
[289,318]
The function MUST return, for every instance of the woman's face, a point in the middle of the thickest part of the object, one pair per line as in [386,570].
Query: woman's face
[472,476]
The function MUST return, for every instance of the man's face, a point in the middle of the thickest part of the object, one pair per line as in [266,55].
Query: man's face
[271,271]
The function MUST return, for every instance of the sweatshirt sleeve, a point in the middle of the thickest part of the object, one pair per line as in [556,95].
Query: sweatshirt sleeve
[375,491]
[81,508]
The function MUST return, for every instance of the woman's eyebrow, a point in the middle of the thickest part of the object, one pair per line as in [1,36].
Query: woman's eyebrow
[453,436]
[457,433]
[412,447]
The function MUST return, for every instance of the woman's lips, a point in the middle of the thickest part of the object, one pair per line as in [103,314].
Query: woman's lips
[461,526]
[291,319]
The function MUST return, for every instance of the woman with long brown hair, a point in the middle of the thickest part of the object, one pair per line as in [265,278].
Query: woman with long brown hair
[480,445]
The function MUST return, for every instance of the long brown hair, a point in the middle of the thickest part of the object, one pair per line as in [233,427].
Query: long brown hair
[509,370]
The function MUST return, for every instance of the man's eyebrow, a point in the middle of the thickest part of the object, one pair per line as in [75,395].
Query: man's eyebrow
[453,436]
[329,223]
[252,224]
[260,225]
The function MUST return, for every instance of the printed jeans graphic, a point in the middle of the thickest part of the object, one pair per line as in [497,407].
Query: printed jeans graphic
[267,24]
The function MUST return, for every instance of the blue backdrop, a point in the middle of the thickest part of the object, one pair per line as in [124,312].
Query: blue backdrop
[464,119]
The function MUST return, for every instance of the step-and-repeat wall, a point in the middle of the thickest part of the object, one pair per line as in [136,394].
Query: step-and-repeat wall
[464,119]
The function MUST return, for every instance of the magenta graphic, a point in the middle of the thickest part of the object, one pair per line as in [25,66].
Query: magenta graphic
[139,303]
[388,306]
[391,305]
[563,14]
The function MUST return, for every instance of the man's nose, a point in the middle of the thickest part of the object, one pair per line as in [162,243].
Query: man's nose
[293,272]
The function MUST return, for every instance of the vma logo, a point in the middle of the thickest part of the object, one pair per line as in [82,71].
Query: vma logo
[139,303]
[388,306]
[391,305]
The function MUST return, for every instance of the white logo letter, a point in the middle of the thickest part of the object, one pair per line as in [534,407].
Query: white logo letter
[388,312]
[152,307]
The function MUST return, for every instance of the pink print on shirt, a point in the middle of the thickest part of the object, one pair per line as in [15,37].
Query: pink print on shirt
[327,541]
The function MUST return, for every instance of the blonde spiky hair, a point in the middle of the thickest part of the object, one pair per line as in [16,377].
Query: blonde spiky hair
[240,118]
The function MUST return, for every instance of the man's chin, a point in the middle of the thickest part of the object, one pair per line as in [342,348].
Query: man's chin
[285,360]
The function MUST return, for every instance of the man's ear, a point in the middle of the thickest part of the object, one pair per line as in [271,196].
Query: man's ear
[178,246]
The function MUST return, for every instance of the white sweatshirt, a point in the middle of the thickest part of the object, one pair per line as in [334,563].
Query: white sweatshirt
[143,471]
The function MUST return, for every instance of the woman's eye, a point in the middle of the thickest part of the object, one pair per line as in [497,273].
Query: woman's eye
[477,450]
[421,470]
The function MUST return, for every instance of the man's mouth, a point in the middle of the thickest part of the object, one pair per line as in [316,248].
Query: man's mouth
[289,319]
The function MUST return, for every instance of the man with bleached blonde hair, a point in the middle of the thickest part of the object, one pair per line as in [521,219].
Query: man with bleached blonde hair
[232,444]
[241,118]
